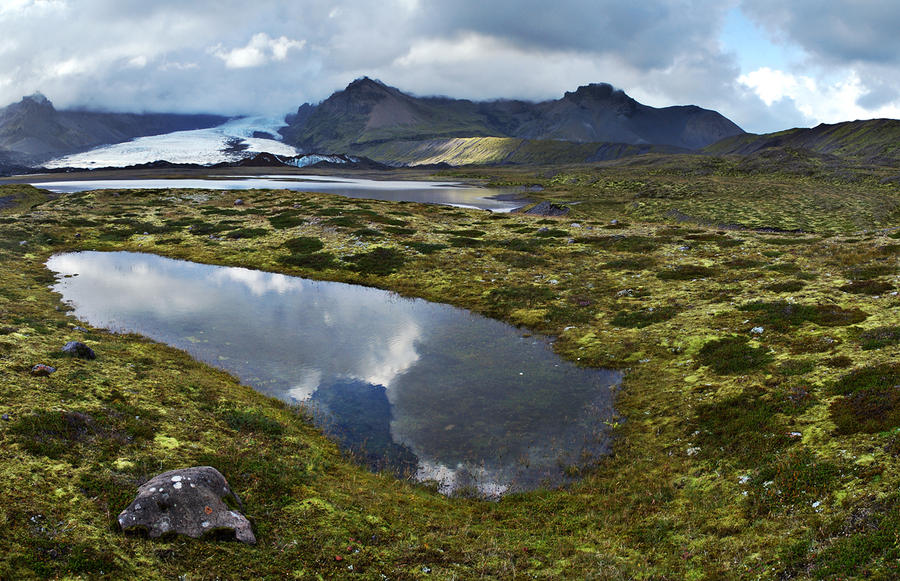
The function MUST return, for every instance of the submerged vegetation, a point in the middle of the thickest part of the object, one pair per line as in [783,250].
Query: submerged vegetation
[761,399]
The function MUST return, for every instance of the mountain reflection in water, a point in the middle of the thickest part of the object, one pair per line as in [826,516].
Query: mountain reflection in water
[419,387]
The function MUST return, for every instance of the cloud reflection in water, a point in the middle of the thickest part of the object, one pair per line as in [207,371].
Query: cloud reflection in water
[479,405]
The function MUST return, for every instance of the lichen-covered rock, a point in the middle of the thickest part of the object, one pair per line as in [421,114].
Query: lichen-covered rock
[188,502]
[79,349]
[41,370]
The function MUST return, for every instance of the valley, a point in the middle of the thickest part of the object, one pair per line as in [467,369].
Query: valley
[752,313]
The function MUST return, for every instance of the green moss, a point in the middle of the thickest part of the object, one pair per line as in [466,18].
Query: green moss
[746,428]
[788,286]
[380,261]
[643,318]
[426,247]
[668,503]
[366,233]
[879,337]
[313,260]
[686,272]
[252,421]
[796,366]
[733,354]
[782,315]
[795,477]
[303,245]
[399,231]
[247,233]
[870,402]
[622,243]
[867,287]
[288,219]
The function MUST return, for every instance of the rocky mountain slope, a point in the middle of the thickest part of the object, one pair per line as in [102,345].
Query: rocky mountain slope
[33,130]
[368,114]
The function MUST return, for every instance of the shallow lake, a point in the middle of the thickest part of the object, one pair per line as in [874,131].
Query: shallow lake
[424,389]
[447,193]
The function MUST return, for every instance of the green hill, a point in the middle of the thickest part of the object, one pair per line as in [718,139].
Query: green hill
[876,141]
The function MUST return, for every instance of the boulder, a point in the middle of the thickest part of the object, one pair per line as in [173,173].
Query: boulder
[41,370]
[189,501]
[545,208]
[79,349]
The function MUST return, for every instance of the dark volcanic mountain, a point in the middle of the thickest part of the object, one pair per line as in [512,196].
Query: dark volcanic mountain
[32,130]
[369,113]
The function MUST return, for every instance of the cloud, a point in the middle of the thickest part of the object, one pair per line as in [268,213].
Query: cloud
[853,46]
[819,101]
[225,56]
[259,51]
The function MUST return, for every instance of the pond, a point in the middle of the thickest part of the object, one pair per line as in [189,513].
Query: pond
[447,193]
[424,389]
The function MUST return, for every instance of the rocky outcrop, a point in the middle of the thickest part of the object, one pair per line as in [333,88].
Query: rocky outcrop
[190,502]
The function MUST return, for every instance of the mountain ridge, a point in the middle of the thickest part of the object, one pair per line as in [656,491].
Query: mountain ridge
[368,112]
[33,130]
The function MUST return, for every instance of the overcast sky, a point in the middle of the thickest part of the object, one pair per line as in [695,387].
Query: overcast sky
[766,64]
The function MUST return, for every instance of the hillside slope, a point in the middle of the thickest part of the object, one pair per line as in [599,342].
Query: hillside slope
[876,141]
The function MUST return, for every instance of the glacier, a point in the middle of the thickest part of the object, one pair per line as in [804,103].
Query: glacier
[229,142]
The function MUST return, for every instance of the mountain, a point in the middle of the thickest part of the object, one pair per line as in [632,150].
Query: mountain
[32,130]
[368,114]
[876,141]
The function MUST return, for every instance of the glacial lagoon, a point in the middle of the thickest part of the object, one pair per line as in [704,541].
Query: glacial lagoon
[424,389]
[446,193]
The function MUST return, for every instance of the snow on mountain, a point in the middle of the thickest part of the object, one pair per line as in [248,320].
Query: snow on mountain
[228,142]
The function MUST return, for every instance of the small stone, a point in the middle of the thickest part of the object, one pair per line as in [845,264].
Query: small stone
[41,370]
[757,330]
[79,349]
[5,417]
[239,202]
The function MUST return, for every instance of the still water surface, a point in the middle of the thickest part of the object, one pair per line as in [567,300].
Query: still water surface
[447,193]
[421,388]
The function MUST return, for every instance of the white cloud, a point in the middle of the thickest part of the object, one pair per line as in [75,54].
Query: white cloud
[774,85]
[69,67]
[137,62]
[820,101]
[259,51]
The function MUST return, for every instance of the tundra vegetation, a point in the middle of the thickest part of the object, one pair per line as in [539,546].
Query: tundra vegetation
[753,312]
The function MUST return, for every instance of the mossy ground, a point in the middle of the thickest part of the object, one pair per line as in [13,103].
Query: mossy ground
[745,452]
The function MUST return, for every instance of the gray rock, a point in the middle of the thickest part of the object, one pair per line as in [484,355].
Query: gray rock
[41,370]
[5,417]
[545,208]
[79,349]
[239,202]
[188,502]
